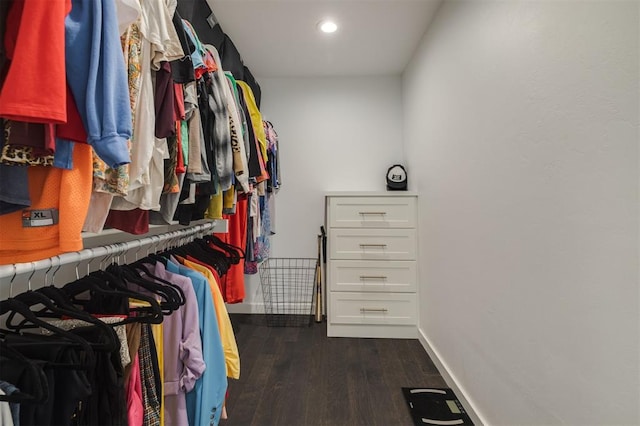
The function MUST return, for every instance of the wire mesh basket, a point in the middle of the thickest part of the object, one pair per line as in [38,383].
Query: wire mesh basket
[288,291]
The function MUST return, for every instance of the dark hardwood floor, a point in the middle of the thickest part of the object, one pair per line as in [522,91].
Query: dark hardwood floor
[297,376]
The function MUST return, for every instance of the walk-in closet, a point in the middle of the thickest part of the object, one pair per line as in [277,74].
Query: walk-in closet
[319,212]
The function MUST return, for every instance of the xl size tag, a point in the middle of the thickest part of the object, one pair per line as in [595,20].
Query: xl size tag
[36,218]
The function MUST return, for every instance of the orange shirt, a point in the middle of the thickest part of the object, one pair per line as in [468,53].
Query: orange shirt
[34,234]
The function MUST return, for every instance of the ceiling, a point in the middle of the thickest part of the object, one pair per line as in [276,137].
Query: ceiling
[279,38]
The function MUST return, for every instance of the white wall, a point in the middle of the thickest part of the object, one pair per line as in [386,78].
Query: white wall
[334,134]
[521,131]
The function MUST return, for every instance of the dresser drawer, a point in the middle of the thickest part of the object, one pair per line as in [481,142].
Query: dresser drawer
[372,244]
[372,212]
[371,276]
[372,308]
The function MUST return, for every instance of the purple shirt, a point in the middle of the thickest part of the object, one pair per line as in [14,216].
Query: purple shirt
[182,346]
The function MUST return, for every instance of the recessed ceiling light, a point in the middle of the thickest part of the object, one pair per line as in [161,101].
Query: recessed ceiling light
[327,26]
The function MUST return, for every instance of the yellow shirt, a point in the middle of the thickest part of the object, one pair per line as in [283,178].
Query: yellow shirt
[157,331]
[228,338]
[256,117]
[215,206]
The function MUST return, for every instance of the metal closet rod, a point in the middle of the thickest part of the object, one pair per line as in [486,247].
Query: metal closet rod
[101,251]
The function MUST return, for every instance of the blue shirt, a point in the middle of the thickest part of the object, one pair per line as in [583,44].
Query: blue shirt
[205,401]
[98,78]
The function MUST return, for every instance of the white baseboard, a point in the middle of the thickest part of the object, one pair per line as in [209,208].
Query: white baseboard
[245,308]
[258,308]
[451,380]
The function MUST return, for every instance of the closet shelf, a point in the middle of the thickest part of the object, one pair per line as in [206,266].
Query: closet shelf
[106,243]
[114,236]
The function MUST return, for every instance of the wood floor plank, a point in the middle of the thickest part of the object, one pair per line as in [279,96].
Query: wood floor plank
[317,404]
[337,400]
[273,400]
[296,376]
[249,341]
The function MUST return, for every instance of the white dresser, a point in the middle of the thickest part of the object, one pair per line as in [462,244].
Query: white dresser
[371,264]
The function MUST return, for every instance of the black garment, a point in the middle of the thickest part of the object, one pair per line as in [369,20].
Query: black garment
[67,385]
[106,406]
[230,57]
[183,214]
[197,12]
[201,206]
[29,377]
[204,190]
[182,69]
[208,119]
[255,87]
[184,211]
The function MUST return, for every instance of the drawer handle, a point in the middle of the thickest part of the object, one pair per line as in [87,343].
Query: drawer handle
[372,213]
[373,245]
[364,310]
[372,277]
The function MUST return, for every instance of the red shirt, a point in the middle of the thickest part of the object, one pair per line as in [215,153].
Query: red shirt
[35,87]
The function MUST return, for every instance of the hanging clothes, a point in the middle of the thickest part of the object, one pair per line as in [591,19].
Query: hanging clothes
[233,281]
[229,345]
[160,43]
[150,378]
[97,77]
[184,363]
[205,400]
[135,408]
[221,132]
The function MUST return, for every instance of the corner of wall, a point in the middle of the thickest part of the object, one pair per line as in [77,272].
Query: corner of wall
[451,379]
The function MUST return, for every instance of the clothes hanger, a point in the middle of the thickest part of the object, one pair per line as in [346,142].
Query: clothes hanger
[171,295]
[197,250]
[215,246]
[11,305]
[227,247]
[233,254]
[106,285]
[173,291]
[51,310]
[170,298]
[141,265]
[152,255]
[221,260]
[57,305]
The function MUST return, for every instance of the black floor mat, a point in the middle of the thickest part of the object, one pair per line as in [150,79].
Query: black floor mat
[435,406]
